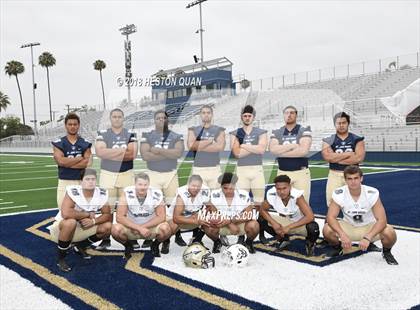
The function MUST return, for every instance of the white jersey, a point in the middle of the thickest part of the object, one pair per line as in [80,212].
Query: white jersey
[291,210]
[190,206]
[75,192]
[240,202]
[357,213]
[141,213]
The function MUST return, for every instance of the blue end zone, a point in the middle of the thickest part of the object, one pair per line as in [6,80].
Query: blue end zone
[103,275]
[399,192]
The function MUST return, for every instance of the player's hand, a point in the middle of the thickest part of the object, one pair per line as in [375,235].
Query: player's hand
[278,229]
[286,230]
[203,223]
[92,215]
[223,223]
[363,244]
[145,232]
[86,223]
[345,241]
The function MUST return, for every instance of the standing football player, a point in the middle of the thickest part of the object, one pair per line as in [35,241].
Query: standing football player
[206,141]
[341,150]
[117,148]
[72,154]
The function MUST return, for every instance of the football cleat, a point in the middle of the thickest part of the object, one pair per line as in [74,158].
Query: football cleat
[81,251]
[62,265]
[165,246]
[389,258]
[217,245]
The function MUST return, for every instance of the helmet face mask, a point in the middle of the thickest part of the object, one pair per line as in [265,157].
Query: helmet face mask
[198,256]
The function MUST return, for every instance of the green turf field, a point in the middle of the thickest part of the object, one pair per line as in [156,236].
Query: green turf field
[29,182]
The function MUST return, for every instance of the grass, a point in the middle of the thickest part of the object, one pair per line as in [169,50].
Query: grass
[31,180]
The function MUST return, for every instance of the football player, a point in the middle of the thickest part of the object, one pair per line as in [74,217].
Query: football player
[72,154]
[184,210]
[248,145]
[364,218]
[341,150]
[78,221]
[234,209]
[294,215]
[161,148]
[141,215]
[117,148]
[206,141]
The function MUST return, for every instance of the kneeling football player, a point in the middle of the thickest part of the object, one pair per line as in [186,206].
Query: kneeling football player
[141,214]
[185,208]
[364,219]
[76,222]
[294,215]
[235,209]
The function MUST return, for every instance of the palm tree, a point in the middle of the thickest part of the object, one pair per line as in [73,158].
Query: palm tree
[4,101]
[14,67]
[100,65]
[47,60]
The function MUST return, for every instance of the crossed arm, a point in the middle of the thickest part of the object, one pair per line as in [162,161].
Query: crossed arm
[79,162]
[300,149]
[210,145]
[119,154]
[242,150]
[149,153]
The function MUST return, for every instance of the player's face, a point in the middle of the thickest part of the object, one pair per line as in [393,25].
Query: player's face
[290,116]
[89,182]
[72,126]
[283,189]
[206,115]
[142,186]
[117,119]
[341,125]
[247,119]
[228,190]
[194,187]
[354,181]
[161,120]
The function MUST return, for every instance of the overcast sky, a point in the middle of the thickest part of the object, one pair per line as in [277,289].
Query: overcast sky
[261,38]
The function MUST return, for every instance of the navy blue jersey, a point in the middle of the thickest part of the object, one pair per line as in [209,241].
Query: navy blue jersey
[71,150]
[252,138]
[116,141]
[165,140]
[342,146]
[203,158]
[284,136]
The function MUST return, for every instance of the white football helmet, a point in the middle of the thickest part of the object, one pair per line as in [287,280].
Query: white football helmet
[198,256]
[235,255]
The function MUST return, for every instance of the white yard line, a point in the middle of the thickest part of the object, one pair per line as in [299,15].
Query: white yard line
[14,207]
[28,190]
[6,203]
[23,179]
[46,170]
[29,211]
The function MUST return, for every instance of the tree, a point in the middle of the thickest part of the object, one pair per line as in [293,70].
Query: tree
[47,60]
[10,126]
[4,101]
[15,68]
[100,65]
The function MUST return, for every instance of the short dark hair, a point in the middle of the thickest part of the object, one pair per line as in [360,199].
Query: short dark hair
[282,179]
[195,177]
[248,109]
[141,175]
[340,115]
[71,115]
[227,178]
[116,110]
[159,112]
[290,107]
[352,169]
[206,106]
[87,171]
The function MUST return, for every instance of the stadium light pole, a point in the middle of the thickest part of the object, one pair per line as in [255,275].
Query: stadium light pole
[201,30]
[31,45]
[126,31]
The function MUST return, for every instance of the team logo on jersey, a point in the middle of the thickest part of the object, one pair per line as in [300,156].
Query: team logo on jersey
[75,192]
[338,191]
[216,195]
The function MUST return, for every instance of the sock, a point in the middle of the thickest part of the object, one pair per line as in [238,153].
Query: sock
[94,238]
[63,246]
[199,235]
[385,250]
